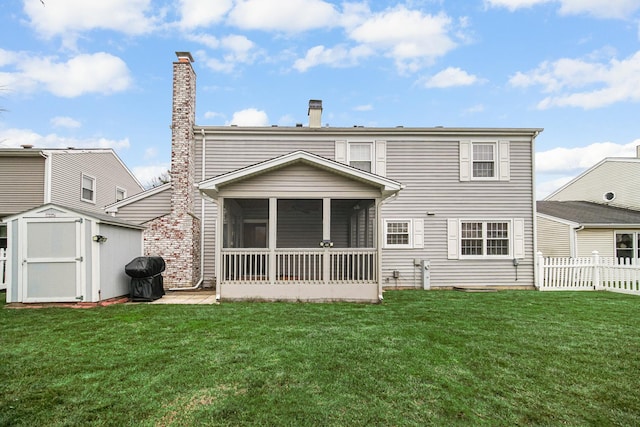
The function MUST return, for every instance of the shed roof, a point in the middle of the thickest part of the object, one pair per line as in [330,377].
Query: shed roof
[589,213]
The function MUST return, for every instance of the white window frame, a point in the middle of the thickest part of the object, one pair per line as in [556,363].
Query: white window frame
[371,146]
[510,233]
[415,229]
[494,149]
[378,153]
[94,181]
[635,247]
[123,191]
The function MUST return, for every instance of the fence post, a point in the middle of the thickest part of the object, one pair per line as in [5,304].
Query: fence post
[540,272]
[596,270]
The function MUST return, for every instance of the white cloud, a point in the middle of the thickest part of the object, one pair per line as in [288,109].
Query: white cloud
[235,49]
[412,38]
[212,115]
[578,83]
[286,16]
[567,160]
[249,117]
[546,186]
[69,18]
[620,9]
[450,77]
[148,173]
[199,13]
[88,73]
[14,138]
[367,107]
[338,56]
[65,122]
[150,153]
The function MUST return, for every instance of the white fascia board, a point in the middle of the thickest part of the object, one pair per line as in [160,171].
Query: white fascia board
[558,219]
[388,186]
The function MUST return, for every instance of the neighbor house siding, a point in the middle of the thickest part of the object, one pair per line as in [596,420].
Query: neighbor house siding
[430,170]
[67,168]
[554,238]
[147,209]
[590,240]
[21,184]
[618,176]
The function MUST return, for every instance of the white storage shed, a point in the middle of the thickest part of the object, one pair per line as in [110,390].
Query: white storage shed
[58,254]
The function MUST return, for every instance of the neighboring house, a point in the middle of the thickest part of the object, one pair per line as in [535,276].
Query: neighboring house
[598,210]
[322,213]
[75,178]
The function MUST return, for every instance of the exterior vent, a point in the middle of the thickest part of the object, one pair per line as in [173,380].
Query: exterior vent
[609,196]
[27,146]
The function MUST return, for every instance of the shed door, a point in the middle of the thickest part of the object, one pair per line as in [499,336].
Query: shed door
[52,260]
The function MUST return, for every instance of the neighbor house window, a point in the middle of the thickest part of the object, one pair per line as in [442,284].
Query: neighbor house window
[121,194]
[360,156]
[628,245]
[3,236]
[88,188]
[484,160]
[484,238]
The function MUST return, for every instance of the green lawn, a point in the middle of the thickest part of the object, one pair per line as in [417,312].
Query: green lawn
[438,358]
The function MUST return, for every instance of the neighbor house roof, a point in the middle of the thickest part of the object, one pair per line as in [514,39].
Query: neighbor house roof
[589,213]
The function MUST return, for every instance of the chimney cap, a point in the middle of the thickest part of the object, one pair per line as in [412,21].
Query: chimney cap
[315,104]
[184,57]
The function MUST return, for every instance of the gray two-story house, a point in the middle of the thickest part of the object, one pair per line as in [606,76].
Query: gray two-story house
[323,213]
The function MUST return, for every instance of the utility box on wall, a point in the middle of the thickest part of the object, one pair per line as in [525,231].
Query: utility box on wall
[58,254]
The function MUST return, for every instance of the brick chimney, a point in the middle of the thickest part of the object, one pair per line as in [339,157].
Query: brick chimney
[176,237]
[315,113]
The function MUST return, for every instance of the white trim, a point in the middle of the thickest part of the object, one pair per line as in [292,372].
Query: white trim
[94,189]
[113,207]
[124,193]
[47,178]
[511,238]
[351,144]
[385,232]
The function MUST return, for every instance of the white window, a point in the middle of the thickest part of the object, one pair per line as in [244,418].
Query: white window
[484,161]
[628,245]
[360,156]
[3,237]
[485,238]
[88,189]
[121,194]
[403,233]
[369,156]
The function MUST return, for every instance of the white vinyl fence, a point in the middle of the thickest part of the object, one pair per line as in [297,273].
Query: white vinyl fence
[3,268]
[588,273]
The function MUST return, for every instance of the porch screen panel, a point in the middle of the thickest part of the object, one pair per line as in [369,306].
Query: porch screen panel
[299,223]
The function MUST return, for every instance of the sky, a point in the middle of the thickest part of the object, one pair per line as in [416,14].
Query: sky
[91,74]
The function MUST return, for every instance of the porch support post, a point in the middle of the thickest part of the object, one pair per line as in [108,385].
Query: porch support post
[326,235]
[273,235]
[218,247]
[378,245]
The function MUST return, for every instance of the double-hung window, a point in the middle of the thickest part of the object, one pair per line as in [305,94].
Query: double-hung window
[486,238]
[360,156]
[403,233]
[627,245]
[121,194]
[484,160]
[88,193]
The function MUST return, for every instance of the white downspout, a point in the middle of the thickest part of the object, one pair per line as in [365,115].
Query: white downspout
[379,233]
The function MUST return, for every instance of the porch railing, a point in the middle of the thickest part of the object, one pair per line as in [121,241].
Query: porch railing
[300,266]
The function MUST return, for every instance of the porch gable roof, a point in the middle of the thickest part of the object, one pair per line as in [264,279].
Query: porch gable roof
[388,187]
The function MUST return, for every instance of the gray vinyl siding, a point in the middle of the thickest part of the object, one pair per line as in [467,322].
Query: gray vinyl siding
[618,176]
[146,209]
[21,184]
[430,171]
[66,174]
[429,167]
[601,240]
[554,238]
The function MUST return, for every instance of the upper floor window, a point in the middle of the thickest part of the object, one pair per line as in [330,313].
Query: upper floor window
[484,160]
[121,194]
[628,245]
[360,156]
[88,189]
